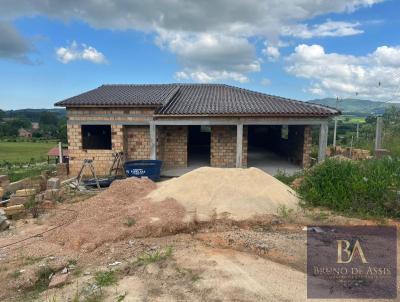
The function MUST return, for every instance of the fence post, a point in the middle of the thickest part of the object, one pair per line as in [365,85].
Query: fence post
[378,135]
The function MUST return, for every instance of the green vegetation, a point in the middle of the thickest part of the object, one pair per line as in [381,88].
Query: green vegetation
[20,172]
[287,179]
[364,188]
[25,152]
[154,257]
[52,123]
[130,222]
[103,279]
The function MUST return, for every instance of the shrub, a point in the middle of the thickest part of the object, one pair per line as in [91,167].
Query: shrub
[367,188]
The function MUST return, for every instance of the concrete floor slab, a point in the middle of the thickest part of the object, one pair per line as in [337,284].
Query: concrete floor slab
[263,159]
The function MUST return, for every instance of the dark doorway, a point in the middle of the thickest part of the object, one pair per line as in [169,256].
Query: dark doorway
[199,145]
[269,149]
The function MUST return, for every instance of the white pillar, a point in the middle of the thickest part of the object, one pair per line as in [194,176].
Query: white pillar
[334,132]
[239,145]
[378,135]
[323,141]
[153,141]
[60,153]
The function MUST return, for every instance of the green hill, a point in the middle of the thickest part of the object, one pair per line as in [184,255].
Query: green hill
[356,106]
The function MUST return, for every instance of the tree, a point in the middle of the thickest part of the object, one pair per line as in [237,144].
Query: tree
[48,118]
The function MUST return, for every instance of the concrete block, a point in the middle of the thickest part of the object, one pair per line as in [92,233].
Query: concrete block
[25,192]
[53,183]
[16,200]
[12,210]
[39,198]
[52,194]
[4,225]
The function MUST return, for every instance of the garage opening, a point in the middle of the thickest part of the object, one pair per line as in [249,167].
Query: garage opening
[275,148]
[199,146]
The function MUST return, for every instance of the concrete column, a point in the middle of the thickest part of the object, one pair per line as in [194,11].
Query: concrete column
[323,141]
[153,141]
[378,135]
[239,145]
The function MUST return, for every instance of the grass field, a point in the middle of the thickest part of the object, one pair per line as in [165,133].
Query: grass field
[23,152]
[348,119]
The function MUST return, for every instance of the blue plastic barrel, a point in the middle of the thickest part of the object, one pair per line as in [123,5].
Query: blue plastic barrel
[140,168]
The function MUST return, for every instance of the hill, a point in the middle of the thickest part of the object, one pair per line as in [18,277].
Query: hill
[356,106]
[32,115]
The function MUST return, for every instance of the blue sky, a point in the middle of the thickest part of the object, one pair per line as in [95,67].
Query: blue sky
[302,49]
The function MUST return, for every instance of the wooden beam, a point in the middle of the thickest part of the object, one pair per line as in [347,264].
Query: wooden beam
[323,141]
[239,145]
[153,141]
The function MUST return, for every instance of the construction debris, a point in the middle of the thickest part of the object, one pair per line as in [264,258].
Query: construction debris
[16,200]
[53,183]
[25,192]
[4,223]
[52,194]
[13,210]
[58,279]
[4,182]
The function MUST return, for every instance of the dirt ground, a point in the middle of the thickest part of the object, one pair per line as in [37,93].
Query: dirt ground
[263,259]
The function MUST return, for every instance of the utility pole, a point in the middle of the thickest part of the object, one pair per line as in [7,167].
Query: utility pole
[358,132]
[334,129]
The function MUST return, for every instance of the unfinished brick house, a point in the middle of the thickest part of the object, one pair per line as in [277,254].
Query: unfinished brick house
[192,125]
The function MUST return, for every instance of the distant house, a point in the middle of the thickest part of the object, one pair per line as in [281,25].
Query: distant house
[192,125]
[24,133]
[55,154]
[35,126]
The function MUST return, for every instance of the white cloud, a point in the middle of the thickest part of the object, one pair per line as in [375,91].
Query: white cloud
[75,52]
[214,33]
[347,75]
[327,29]
[211,57]
[272,53]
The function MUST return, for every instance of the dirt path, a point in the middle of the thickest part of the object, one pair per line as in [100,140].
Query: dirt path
[221,275]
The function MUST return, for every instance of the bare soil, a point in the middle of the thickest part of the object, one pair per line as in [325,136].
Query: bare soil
[258,259]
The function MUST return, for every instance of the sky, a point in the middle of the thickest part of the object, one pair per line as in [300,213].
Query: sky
[300,49]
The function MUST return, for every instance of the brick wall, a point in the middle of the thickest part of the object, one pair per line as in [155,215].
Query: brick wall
[102,158]
[172,145]
[137,142]
[223,146]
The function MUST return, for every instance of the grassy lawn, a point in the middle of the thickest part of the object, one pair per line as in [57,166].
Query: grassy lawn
[22,152]
[348,119]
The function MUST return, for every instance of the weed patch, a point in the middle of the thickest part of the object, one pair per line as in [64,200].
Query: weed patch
[154,257]
[365,188]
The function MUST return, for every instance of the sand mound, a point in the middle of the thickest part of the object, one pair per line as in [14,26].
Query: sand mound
[236,194]
[120,212]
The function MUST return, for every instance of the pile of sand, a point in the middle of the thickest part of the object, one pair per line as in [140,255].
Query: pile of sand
[120,212]
[238,194]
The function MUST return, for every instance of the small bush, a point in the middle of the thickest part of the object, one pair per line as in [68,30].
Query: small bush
[366,188]
[286,178]
[154,257]
[105,278]
[130,222]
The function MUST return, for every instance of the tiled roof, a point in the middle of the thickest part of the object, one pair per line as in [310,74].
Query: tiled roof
[123,95]
[197,99]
